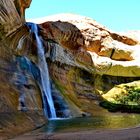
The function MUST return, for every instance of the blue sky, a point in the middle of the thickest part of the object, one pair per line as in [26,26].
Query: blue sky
[118,15]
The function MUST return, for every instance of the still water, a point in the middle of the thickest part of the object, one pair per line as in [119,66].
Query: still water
[119,121]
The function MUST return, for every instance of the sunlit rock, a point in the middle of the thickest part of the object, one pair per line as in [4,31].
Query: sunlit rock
[76,45]
[107,52]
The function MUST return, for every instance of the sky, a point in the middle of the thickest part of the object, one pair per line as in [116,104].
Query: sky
[117,15]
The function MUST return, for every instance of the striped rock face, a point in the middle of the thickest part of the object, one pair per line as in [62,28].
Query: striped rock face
[107,52]
[12,25]
[9,17]
[21,5]
[12,30]
[90,62]
[12,15]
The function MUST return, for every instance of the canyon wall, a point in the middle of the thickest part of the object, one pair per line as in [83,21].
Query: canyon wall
[20,97]
[92,67]
[87,61]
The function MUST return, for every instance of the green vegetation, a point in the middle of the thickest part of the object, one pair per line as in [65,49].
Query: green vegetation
[131,97]
[113,107]
[124,97]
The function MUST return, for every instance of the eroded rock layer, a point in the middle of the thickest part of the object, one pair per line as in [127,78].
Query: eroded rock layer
[110,58]
[88,64]
[20,98]
[107,52]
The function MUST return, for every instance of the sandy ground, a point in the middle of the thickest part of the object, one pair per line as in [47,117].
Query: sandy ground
[124,134]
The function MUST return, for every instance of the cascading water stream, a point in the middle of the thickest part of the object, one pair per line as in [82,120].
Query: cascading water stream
[49,109]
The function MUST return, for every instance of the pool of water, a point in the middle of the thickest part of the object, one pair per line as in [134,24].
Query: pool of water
[120,121]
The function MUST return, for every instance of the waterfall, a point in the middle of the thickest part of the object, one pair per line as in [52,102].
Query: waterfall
[49,109]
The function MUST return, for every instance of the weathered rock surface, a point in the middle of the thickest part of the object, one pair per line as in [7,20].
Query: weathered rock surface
[86,60]
[12,27]
[105,51]
[20,104]
[82,88]
[12,15]
[104,57]
[21,5]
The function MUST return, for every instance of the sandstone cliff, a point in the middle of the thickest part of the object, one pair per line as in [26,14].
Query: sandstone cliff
[106,52]
[88,63]
[13,120]
[88,60]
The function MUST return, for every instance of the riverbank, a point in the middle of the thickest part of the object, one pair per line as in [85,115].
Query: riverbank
[114,126]
[123,134]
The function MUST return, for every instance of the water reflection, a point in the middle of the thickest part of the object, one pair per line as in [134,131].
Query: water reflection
[88,123]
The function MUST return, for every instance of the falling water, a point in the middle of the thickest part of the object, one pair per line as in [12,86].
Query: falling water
[49,108]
